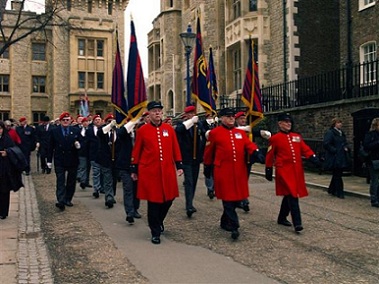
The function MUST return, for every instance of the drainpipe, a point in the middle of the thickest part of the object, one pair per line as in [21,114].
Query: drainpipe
[285,53]
[349,62]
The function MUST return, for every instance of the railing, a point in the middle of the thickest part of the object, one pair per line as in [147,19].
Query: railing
[361,80]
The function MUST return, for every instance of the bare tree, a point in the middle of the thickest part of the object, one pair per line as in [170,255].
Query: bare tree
[15,24]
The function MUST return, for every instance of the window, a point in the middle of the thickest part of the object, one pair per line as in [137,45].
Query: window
[81,47]
[5,53]
[253,5]
[237,69]
[100,81]
[37,117]
[39,51]
[368,58]
[91,80]
[236,9]
[39,84]
[110,7]
[363,4]
[90,47]
[5,115]
[171,4]
[4,83]
[82,80]
[100,48]
[89,3]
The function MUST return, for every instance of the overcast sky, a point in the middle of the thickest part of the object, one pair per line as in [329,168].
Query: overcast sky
[143,12]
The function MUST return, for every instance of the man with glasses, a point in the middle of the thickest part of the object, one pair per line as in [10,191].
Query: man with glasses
[225,156]
[63,147]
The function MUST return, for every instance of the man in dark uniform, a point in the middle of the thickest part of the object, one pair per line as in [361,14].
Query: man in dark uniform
[28,140]
[191,140]
[64,145]
[285,151]
[225,156]
[43,139]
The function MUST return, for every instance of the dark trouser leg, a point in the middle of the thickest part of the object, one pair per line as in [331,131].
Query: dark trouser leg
[290,204]
[60,184]
[374,184]
[4,203]
[136,201]
[229,218]
[71,183]
[188,185]
[127,187]
[284,209]
[336,184]
[156,213]
[115,176]
[107,184]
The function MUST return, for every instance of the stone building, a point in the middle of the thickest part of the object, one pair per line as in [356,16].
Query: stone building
[49,71]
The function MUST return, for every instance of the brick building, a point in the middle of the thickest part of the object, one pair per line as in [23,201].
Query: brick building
[49,71]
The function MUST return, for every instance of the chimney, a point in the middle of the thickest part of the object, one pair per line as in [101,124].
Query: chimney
[17,5]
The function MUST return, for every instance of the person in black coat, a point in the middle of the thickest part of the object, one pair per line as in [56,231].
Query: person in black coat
[28,140]
[9,177]
[192,150]
[43,138]
[64,145]
[371,145]
[336,156]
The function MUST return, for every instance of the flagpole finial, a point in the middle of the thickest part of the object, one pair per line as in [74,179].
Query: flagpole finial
[131,16]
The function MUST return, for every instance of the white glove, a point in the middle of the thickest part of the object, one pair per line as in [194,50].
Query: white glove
[207,134]
[130,125]
[210,121]
[77,145]
[113,123]
[188,123]
[37,145]
[49,165]
[107,128]
[265,134]
[195,119]
[216,119]
[246,128]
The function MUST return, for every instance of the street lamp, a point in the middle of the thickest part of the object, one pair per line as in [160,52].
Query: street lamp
[188,39]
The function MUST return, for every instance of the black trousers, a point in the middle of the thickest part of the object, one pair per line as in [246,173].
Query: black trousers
[156,213]
[65,183]
[289,205]
[229,218]
[4,203]
[336,183]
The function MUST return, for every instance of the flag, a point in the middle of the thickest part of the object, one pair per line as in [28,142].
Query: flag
[135,84]
[211,77]
[118,88]
[84,106]
[251,93]
[200,89]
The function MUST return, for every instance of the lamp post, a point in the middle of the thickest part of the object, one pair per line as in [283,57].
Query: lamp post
[188,39]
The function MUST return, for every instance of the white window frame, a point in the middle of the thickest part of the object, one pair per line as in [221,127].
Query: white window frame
[365,56]
[364,4]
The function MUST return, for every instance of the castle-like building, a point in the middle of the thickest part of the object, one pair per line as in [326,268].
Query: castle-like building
[49,71]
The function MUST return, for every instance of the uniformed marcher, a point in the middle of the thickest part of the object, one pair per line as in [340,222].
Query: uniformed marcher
[225,155]
[156,161]
[43,139]
[28,140]
[285,152]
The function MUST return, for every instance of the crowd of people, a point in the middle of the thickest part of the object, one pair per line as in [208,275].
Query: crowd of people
[148,154]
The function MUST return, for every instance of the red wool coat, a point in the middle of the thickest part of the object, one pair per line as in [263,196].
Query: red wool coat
[155,152]
[226,150]
[285,152]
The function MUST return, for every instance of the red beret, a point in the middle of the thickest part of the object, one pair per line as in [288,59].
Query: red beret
[109,116]
[84,119]
[239,114]
[145,113]
[23,118]
[96,116]
[64,114]
[189,109]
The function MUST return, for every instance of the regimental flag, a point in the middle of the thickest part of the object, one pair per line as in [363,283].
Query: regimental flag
[200,89]
[84,106]
[211,77]
[251,93]
[118,88]
[135,84]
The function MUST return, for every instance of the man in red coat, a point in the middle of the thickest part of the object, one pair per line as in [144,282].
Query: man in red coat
[225,154]
[285,151]
[156,161]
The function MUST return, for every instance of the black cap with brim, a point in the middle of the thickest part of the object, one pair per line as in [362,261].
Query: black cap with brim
[226,111]
[284,116]
[154,104]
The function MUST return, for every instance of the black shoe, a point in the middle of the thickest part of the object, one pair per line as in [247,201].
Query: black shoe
[246,207]
[102,191]
[82,185]
[27,173]
[60,206]
[68,203]
[130,219]
[235,234]
[3,217]
[137,215]
[298,228]
[109,204]
[162,228]
[211,194]
[88,185]
[156,240]
[95,194]
[190,212]
[285,222]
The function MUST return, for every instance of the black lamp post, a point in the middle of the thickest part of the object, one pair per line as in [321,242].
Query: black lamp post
[188,39]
